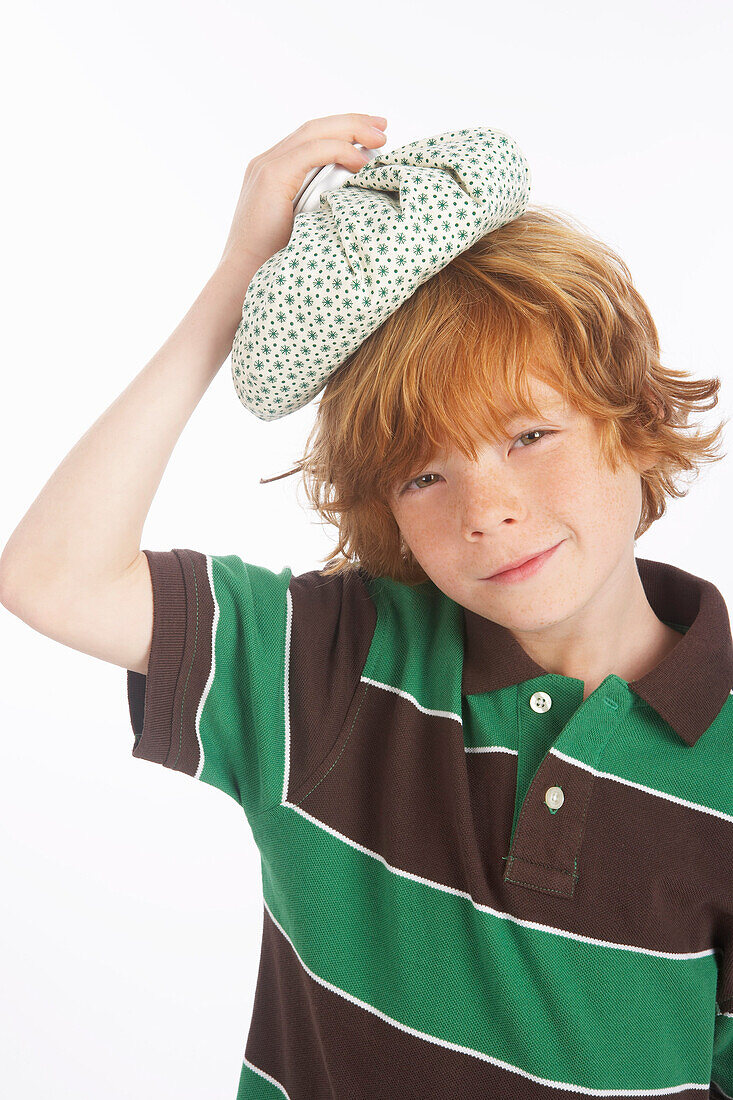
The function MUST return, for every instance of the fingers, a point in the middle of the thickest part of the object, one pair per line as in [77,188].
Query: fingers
[328,140]
[346,126]
[320,141]
[366,129]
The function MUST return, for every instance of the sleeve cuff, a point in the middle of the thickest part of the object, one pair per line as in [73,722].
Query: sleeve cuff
[152,698]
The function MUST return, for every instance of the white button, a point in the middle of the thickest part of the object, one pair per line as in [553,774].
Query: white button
[540,701]
[554,797]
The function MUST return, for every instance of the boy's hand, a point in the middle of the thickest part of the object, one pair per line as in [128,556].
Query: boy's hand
[263,219]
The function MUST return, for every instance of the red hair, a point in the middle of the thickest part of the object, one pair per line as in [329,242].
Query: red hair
[450,367]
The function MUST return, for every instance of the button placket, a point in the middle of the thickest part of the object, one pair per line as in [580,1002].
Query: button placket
[541,701]
[546,842]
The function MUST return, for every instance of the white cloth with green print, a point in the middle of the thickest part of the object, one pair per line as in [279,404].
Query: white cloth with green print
[375,239]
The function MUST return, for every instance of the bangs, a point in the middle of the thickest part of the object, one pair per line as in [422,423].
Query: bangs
[459,386]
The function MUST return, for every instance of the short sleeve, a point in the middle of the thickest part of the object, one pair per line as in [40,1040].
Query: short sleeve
[251,673]
[212,703]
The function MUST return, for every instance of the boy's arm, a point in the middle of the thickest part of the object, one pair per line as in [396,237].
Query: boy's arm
[73,568]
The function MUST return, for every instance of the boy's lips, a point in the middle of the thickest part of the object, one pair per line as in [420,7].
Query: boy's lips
[521,561]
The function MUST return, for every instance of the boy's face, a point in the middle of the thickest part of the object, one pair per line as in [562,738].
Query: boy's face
[464,521]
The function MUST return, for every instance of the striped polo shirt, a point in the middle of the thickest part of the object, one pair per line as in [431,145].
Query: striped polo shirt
[475,882]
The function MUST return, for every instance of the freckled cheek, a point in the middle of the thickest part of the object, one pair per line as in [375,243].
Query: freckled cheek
[569,491]
[428,534]
[428,540]
[604,506]
[579,497]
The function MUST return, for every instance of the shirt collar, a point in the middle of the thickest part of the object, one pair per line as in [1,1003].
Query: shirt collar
[688,687]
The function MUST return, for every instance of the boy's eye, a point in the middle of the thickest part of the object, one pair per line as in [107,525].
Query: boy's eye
[539,432]
[420,477]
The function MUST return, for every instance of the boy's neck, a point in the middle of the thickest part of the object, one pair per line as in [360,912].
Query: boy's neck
[616,632]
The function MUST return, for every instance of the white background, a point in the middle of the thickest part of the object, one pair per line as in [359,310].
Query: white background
[131,899]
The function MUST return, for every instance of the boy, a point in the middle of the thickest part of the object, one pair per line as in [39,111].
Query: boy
[495,808]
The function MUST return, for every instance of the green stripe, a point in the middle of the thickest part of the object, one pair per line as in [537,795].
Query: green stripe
[242,721]
[421,614]
[431,961]
[651,753]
